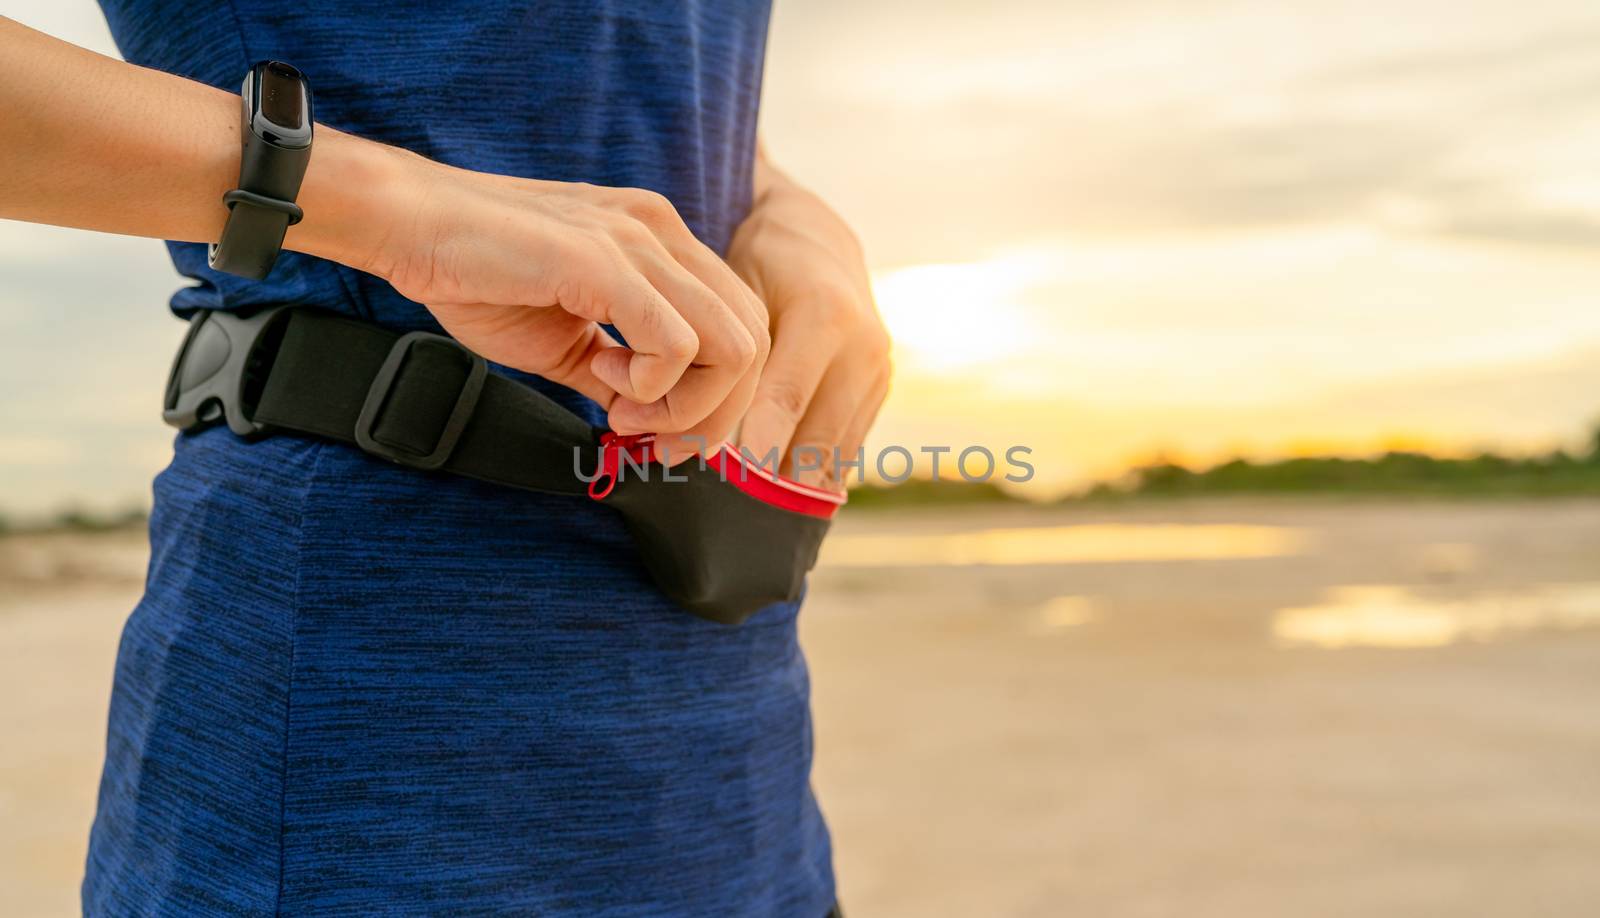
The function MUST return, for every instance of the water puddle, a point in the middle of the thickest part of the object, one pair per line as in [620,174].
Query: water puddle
[1087,544]
[1395,616]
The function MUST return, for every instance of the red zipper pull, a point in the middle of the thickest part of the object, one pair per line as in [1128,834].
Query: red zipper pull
[609,463]
[612,448]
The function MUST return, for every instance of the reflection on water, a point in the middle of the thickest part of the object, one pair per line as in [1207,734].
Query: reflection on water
[1065,545]
[1393,616]
[1064,613]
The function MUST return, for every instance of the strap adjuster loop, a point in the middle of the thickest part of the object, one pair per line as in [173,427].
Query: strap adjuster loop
[383,384]
[289,209]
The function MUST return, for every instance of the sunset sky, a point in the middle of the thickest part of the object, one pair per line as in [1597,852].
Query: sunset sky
[1100,230]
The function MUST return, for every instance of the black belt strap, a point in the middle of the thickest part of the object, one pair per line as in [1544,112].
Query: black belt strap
[416,399]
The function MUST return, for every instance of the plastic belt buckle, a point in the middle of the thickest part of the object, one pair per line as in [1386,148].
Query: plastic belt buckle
[223,359]
[383,383]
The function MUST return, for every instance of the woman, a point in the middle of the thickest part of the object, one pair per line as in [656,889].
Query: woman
[354,688]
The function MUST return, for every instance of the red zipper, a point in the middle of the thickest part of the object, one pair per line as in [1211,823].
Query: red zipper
[770,488]
[751,478]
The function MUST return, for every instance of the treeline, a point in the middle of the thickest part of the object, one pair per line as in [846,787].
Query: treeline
[1560,472]
[1396,473]
[76,520]
[921,492]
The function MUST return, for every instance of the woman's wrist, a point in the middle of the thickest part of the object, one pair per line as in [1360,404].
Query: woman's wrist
[355,195]
[779,199]
[105,145]
[769,181]
[787,208]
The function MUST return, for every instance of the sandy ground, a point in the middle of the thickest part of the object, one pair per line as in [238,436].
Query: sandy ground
[1199,709]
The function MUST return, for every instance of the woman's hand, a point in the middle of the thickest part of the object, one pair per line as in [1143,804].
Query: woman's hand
[525,272]
[522,272]
[829,369]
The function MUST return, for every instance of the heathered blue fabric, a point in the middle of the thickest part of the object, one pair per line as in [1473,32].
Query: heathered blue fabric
[354,689]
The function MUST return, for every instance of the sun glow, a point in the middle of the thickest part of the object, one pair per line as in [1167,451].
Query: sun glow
[946,317]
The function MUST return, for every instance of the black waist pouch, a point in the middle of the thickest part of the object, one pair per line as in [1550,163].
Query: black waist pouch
[721,536]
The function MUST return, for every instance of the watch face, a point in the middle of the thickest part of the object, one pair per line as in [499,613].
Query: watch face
[283,99]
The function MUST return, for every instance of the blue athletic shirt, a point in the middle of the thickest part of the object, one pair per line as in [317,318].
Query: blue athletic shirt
[355,689]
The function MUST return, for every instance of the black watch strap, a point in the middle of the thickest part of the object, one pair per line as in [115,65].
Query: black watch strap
[275,147]
[253,235]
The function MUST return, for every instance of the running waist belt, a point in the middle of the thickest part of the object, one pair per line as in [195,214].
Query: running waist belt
[723,537]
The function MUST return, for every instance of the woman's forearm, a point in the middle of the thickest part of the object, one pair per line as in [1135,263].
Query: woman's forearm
[523,272]
[96,143]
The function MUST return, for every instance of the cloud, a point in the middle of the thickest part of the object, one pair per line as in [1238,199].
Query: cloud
[1524,226]
[1495,57]
[995,125]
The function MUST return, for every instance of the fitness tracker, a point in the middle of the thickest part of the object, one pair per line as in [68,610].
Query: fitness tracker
[275,137]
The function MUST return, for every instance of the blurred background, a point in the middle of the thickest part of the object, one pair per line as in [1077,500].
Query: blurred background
[1294,305]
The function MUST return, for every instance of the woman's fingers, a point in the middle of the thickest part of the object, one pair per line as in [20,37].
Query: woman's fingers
[663,417]
[855,435]
[707,435]
[661,342]
[657,216]
[786,388]
[572,366]
[731,308]
[840,397]
[725,357]
[544,340]
[716,274]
